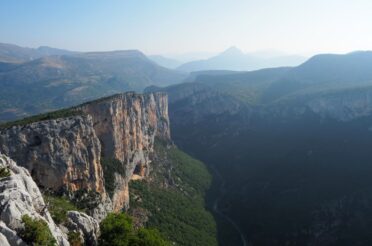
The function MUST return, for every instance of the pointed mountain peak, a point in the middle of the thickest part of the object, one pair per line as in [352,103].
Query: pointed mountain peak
[233,50]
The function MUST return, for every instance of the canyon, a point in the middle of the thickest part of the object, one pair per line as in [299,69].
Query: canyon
[72,168]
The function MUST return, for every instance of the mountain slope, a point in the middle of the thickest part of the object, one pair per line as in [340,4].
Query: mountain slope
[165,61]
[173,198]
[322,73]
[53,82]
[325,72]
[296,163]
[16,54]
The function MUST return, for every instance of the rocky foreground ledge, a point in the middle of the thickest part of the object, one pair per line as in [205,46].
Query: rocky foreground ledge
[19,196]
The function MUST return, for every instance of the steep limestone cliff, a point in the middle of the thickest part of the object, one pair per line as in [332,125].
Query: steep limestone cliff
[65,153]
[127,125]
[59,154]
[344,105]
[340,105]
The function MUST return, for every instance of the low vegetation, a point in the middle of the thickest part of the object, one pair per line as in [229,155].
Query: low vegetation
[85,199]
[118,230]
[63,113]
[4,172]
[110,167]
[58,207]
[74,238]
[174,198]
[36,232]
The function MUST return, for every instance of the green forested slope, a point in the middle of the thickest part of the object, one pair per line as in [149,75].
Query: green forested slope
[172,200]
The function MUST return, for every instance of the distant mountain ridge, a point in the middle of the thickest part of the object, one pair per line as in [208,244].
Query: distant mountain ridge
[320,73]
[235,59]
[325,72]
[10,53]
[67,78]
[165,61]
[54,81]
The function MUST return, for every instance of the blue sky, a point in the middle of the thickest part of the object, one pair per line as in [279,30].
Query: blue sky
[179,26]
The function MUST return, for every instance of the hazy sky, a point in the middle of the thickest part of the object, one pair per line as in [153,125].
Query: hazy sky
[178,26]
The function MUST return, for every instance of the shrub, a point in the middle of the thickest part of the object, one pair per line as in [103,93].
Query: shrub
[149,237]
[74,238]
[116,230]
[84,199]
[58,207]
[63,113]
[4,172]
[36,232]
[110,167]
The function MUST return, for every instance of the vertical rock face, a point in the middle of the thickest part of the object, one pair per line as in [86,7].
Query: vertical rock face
[66,153]
[343,106]
[127,125]
[59,154]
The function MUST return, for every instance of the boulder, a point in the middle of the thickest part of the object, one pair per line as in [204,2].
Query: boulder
[86,225]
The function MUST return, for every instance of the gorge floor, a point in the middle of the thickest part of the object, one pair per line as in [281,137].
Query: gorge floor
[221,213]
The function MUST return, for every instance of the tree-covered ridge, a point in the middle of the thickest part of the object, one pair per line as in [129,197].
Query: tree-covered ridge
[172,199]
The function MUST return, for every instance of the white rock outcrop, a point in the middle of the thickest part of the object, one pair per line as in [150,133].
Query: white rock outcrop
[86,225]
[19,195]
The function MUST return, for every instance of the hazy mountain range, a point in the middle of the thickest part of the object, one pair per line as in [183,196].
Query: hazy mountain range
[231,59]
[235,59]
[288,146]
[165,61]
[16,54]
[49,82]
[47,78]
[53,78]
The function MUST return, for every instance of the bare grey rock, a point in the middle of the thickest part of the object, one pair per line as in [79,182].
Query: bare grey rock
[60,154]
[9,236]
[3,240]
[103,208]
[86,225]
[343,106]
[340,105]
[127,125]
[19,195]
